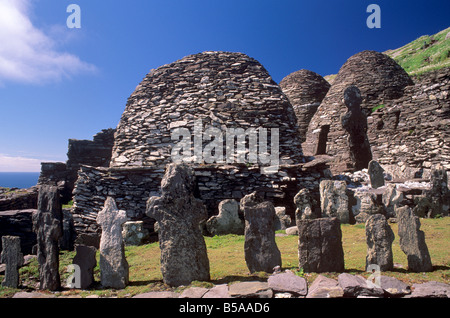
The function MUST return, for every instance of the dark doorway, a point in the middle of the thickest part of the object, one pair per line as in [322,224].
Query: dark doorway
[322,143]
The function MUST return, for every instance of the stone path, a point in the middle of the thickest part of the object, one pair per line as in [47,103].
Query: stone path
[289,285]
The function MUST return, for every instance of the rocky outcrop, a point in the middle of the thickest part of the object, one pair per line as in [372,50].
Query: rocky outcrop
[19,199]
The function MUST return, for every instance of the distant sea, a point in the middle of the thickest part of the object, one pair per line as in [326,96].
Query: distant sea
[19,180]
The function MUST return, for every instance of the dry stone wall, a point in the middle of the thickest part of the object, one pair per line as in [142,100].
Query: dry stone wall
[131,187]
[408,121]
[96,152]
[224,90]
[411,135]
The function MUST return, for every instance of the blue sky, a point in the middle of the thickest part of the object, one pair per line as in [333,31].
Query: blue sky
[58,83]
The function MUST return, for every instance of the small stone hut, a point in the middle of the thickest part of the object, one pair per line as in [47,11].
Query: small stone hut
[305,90]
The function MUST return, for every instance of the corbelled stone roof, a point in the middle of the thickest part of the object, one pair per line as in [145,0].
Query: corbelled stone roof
[304,87]
[305,90]
[225,90]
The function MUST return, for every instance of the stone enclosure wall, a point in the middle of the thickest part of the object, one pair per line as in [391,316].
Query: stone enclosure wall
[131,188]
[413,132]
[96,152]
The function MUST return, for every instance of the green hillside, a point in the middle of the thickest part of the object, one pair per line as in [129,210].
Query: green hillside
[425,54]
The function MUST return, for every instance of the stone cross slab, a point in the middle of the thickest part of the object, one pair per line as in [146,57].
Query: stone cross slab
[184,256]
[13,258]
[114,270]
[47,224]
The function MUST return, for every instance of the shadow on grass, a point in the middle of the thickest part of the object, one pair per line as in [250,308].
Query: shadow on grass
[237,278]
[144,282]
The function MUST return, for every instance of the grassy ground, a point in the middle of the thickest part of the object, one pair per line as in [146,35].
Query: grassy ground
[227,264]
[425,54]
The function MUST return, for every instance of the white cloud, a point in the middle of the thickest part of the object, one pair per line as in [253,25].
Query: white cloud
[28,54]
[19,164]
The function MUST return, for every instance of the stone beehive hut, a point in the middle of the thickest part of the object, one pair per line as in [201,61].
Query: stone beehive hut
[380,80]
[224,90]
[305,90]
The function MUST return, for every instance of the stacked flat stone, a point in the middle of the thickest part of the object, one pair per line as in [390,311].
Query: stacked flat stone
[305,90]
[222,89]
[378,77]
[409,136]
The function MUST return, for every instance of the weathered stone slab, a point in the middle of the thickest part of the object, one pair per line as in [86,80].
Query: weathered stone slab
[282,220]
[394,287]
[376,174]
[439,194]
[86,260]
[13,258]
[194,292]
[307,207]
[288,282]
[412,241]
[334,200]
[324,287]
[356,285]
[320,245]
[218,291]
[379,238]
[47,224]
[134,233]
[355,124]
[261,251]
[183,250]
[250,290]
[114,271]
[430,290]
[228,221]
[32,295]
[391,199]
[163,294]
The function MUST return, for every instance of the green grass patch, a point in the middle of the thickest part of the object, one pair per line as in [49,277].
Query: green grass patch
[424,54]
[377,107]
[227,262]
[68,205]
